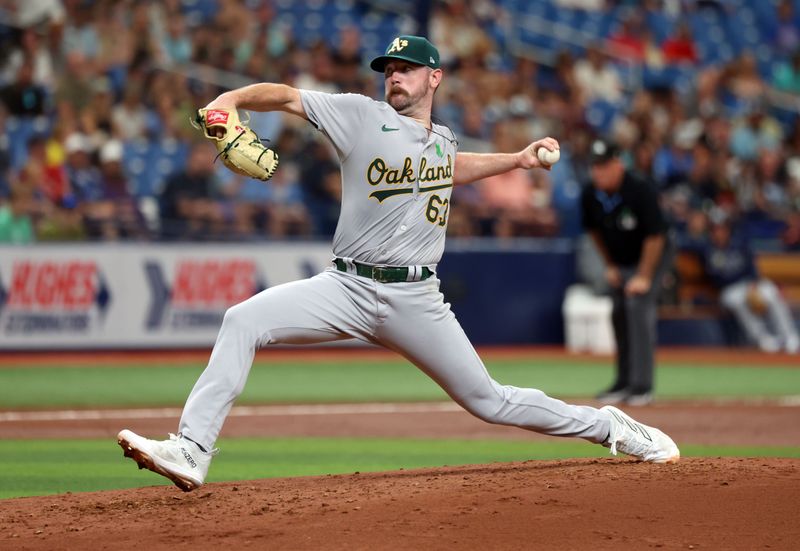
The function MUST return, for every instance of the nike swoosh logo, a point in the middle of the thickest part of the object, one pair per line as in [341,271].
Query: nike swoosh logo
[387,129]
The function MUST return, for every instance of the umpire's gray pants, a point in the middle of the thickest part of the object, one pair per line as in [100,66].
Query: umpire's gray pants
[634,319]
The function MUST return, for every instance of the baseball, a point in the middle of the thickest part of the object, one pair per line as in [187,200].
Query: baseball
[548,157]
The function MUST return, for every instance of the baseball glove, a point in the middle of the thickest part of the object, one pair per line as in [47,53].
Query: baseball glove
[239,147]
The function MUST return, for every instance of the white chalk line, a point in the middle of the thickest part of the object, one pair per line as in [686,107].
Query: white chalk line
[239,411]
[324,409]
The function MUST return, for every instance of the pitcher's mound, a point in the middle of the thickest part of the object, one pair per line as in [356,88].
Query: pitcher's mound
[700,503]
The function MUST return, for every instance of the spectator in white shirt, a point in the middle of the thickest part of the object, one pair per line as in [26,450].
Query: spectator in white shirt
[597,78]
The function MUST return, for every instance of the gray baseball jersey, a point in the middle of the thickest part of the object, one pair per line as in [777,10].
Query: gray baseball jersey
[396,179]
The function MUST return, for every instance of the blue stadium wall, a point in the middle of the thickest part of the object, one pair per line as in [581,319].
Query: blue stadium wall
[509,294]
[513,294]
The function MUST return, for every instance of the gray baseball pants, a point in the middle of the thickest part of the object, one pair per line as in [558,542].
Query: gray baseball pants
[634,319]
[410,318]
[734,298]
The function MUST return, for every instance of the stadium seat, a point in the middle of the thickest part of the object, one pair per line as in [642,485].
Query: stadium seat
[660,24]
[199,10]
[24,129]
[600,115]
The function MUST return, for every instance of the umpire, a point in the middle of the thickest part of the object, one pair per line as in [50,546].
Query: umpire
[621,213]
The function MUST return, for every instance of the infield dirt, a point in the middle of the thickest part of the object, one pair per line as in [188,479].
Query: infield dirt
[699,503]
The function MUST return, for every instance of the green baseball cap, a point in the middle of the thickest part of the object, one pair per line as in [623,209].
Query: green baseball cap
[414,49]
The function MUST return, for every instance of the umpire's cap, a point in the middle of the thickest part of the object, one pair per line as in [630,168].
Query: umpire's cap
[414,49]
[602,150]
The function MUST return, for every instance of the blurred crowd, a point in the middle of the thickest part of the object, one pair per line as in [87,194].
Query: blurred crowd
[85,85]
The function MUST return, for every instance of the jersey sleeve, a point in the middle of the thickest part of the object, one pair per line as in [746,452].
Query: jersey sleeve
[338,116]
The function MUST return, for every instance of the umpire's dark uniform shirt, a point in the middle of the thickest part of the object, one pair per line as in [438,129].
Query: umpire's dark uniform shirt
[624,219]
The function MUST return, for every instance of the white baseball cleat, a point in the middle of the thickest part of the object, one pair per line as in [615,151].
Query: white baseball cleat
[178,459]
[633,438]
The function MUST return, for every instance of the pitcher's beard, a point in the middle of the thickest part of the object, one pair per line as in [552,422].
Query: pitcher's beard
[400,101]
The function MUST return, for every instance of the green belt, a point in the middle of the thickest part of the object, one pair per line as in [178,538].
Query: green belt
[382,274]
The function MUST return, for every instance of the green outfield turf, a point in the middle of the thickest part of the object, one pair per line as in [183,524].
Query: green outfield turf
[41,467]
[364,381]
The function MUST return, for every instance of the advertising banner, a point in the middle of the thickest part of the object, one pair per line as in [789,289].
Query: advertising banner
[107,296]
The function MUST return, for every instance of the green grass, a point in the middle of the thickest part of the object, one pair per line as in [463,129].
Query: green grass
[360,381]
[39,467]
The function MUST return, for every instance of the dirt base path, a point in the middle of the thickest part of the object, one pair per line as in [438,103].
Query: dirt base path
[752,424]
[691,355]
[578,504]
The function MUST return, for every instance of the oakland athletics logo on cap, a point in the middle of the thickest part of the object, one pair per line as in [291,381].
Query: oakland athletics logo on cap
[414,49]
[397,45]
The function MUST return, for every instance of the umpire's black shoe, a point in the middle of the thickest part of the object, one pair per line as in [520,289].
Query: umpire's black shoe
[614,395]
[639,398]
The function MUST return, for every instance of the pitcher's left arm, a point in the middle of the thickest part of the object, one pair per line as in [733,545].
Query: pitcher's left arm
[471,167]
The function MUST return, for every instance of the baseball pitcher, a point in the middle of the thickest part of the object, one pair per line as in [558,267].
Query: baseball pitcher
[398,172]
